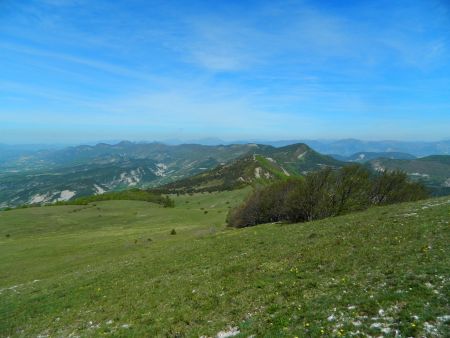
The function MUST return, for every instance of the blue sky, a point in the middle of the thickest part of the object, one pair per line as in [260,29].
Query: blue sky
[79,70]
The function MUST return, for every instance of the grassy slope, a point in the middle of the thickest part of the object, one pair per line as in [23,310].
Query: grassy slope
[90,270]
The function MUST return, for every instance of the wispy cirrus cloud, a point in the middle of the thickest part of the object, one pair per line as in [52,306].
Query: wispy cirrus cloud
[248,67]
[70,58]
[305,34]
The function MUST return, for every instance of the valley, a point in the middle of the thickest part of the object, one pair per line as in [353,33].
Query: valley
[70,173]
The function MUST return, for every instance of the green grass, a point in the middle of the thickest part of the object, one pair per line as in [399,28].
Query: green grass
[134,194]
[91,271]
[271,167]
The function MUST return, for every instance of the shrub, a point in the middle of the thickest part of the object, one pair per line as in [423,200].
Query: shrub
[264,205]
[131,194]
[167,202]
[394,187]
[173,232]
[324,193]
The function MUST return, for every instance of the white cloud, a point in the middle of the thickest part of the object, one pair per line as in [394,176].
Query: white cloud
[91,63]
[304,33]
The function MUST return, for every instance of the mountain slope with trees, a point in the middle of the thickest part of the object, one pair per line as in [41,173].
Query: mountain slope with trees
[264,165]
[433,171]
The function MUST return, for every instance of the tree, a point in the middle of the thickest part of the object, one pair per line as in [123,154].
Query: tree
[324,193]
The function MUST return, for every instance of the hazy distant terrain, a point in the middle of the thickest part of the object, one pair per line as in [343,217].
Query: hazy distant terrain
[34,175]
[365,156]
[345,148]
[348,147]
[56,175]
[68,173]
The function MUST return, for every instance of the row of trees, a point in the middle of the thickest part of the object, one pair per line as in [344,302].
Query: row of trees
[325,193]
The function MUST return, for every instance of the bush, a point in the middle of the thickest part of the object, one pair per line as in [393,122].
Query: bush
[131,194]
[324,193]
[167,202]
[264,205]
[393,187]
[173,232]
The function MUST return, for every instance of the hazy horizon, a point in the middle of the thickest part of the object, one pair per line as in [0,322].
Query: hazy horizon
[216,141]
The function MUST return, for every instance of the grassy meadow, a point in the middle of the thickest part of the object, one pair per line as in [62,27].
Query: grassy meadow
[113,268]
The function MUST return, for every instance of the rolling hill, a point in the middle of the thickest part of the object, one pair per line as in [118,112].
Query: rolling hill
[433,171]
[86,170]
[113,269]
[63,174]
[262,166]
[347,147]
[233,175]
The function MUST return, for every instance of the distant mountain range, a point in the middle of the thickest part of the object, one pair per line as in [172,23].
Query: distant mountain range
[35,175]
[365,156]
[343,147]
[346,147]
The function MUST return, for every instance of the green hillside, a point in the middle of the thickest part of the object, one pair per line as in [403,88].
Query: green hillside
[300,158]
[433,171]
[444,159]
[264,165]
[113,268]
[238,173]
